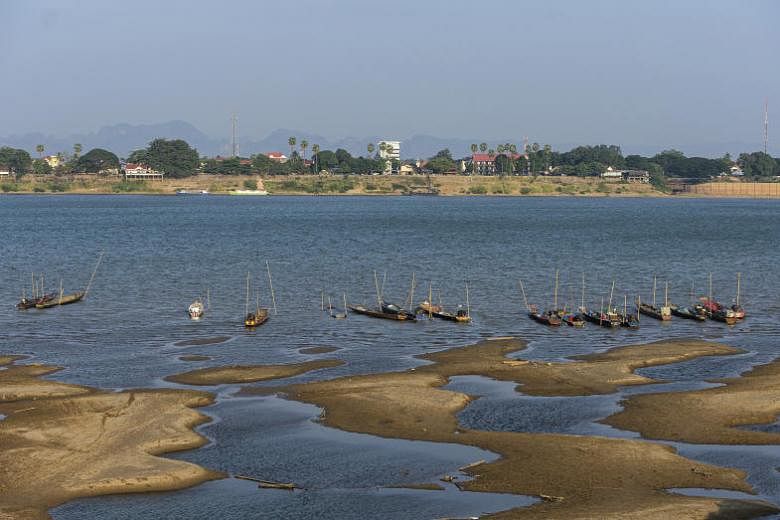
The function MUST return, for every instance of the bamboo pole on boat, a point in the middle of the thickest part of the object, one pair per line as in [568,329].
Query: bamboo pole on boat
[411,294]
[322,300]
[246,305]
[430,300]
[582,300]
[271,285]
[94,271]
[625,306]
[601,314]
[666,294]
[208,298]
[34,286]
[611,292]
[555,296]
[378,293]
[384,279]
[638,305]
[60,291]
[709,297]
[330,306]
[654,283]
[522,289]
[738,280]
[468,305]
[345,306]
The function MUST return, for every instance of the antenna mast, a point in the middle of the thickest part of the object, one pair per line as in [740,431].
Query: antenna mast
[234,139]
[766,124]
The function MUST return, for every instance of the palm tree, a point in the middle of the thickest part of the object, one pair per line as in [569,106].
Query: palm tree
[483,147]
[315,151]
[304,145]
[39,148]
[547,151]
[370,148]
[76,150]
[291,141]
[474,148]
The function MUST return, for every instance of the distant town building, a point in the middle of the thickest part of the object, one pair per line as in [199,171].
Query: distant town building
[390,150]
[633,176]
[142,172]
[53,160]
[485,163]
[407,169]
[277,156]
[4,171]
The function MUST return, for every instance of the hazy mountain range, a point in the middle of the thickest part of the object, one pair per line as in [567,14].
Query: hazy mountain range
[124,138]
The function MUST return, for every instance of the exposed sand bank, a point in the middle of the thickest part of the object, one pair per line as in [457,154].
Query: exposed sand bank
[593,477]
[709,416]
[63,441]
[600,373]
[194,357]
[248,373]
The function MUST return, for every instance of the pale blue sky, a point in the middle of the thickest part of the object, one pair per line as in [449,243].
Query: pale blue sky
[661,72]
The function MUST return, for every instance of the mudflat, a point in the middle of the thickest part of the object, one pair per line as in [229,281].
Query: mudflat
[710,416]
[248,373]
[65,441]
[580,476]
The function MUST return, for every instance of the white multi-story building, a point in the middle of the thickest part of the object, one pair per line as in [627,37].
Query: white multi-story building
[390,150]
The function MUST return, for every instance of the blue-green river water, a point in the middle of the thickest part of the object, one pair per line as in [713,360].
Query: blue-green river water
[162,252]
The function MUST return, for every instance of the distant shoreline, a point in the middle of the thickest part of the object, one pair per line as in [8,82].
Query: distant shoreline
[383,185]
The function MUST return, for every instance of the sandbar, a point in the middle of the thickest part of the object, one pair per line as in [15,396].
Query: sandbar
[709,416]
[194,357]
[589,477]
[64,441]
[248,373]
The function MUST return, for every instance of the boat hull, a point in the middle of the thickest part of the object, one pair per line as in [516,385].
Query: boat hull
[359,309]
[63,300]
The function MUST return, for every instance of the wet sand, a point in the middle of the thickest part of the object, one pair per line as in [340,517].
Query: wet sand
[202,341]
[248,373]
[600,373]
[709,416]
[62,441]
[583,477]
[194,357]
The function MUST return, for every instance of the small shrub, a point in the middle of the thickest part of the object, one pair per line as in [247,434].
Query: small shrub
[128,186]
[478,190]
[602,187]
[39,189]
[9,187]
[525,190]
[250,184]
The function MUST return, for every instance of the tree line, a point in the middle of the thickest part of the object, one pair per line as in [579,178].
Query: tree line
[176,159]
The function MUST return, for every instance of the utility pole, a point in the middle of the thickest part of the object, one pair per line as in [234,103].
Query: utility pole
[234,139]
[766,125]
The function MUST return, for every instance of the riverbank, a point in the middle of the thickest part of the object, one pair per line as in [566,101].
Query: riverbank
[445,185]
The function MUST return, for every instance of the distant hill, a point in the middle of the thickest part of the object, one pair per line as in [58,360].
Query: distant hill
[124,138]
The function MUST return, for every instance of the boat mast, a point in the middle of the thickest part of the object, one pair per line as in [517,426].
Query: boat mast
[625,306]
[89,284]
[271,285]
[654,283]
[738,277]
[246,305]
[638,305]
[582,302]
[710,294]
[692,292]
[555,296]
[611,292]
[208,298]
[322,300]
[666,294]
[378,293]
[411,293]
[522,289]
[60,291]
[34,286]
[330,307]
[468,306]
[345,305]
[430,300]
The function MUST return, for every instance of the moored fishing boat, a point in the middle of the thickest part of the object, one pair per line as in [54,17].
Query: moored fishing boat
[662,313]
[573,319]
[689,313]
[377,313]
[549,318]
[29,303]
[62,299]
[603,319]
[715,310]
[461,315]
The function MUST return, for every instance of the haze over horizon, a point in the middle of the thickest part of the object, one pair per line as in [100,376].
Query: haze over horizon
[668,74]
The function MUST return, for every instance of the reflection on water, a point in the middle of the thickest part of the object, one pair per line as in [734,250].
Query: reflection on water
[162,252]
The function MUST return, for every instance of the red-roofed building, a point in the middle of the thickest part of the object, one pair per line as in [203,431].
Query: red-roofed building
[485,163]
[141,171]
[277,156]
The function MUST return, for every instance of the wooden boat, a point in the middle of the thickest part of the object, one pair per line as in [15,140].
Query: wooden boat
[715,310]
[549,318]
[689,313]
[461,315]
[65,299]
[260,315]
[628,320]
[338,315]
[663,313]
[573,319]
[378,313]
[29,303]
[602,319]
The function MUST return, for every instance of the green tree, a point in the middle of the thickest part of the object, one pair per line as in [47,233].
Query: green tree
[483,147]
[173,157]
[76,150]
[757,164]
[41,167]
[370,149]
[315,150]
[304,145]
[261,163]
[97,160]
[442,162]
[291,141]
[39,148]
[17,161]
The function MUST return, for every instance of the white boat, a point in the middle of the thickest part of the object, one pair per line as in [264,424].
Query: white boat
[195,310]
[197,192]
[248,192]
